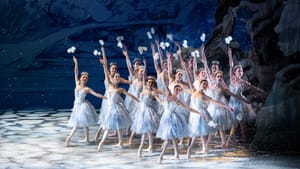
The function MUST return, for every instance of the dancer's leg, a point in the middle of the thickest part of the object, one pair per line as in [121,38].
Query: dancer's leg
[189,150]
[103,139]
[73,131]
[164,148]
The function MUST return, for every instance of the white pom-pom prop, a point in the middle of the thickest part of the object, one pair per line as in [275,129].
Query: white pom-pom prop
[193,54]
[162,45]
[167,44]
[212,124]
[141,49]
[120,38]
[152,30]
[170,37]
[71,50]
[197,53]
[101,42]
[228,39]
[149,35]
[120,45]
[202,37]
[185,44]
[156,56]
[175,56]
[97,53]
[239,117]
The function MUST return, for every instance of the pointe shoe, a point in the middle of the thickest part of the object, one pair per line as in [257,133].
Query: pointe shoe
[229,143]
[160,160]
[150,150]
[202,152]
[139,153]
[175,157]
[220,146]
[67,142]
[188,153]
[100,147]
[130,140]
[118,145]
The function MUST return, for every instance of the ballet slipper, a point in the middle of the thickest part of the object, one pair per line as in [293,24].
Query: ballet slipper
[175,157]
[149,149]
[188,153]
[220,146]
[100,147]
[160,159]
[120,145]
[130,140]
[139,152]
[67,142]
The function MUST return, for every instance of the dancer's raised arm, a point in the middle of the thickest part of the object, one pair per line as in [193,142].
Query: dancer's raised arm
[128,63]
[156,66]
[75,70]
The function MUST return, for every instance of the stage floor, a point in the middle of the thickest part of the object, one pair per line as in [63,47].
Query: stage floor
[34,138]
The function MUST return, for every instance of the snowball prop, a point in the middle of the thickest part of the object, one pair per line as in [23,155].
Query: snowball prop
[175,56]
[71,50]
[101,42]
[141,49]
[149,35]
[239,117]
[170,37]
[195,53]
[185,44]
[120,45]
[228,39]
[97,53]
[212,124]
[119,39]
[152,30]
[164,45]
[202,37]
[156,56]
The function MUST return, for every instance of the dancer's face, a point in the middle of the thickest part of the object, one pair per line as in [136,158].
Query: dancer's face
[177,90]
[113,69]
[165,65]
[214,68]
[179,76]
[116,78]
[136,64]
[141,72]
[202,74]
[150,83]
[219,77]
[84,79]
[203,85]
[239,72]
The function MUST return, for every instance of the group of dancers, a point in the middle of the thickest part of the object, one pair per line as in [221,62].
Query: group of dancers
[180,102]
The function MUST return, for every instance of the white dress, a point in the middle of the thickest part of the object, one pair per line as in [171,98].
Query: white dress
[83,112]
[117,116]
[131,104]
[147,116]
[103,109]
[172,124]
[198,126]
[241,108]
[219,114]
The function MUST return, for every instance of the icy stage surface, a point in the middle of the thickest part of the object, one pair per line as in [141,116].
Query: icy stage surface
[34,138]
